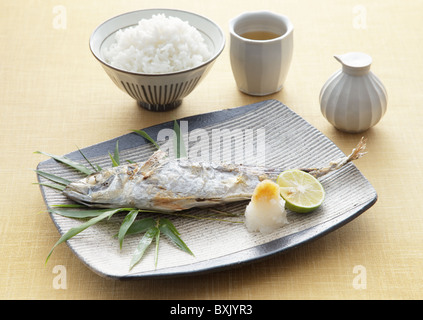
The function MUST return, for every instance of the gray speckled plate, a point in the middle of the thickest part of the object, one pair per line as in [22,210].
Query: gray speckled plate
[278,137]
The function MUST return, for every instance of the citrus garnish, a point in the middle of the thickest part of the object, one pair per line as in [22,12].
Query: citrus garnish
[301,191]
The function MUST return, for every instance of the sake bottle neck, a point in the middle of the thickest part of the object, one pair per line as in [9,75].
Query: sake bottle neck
[354,71]
[355,63]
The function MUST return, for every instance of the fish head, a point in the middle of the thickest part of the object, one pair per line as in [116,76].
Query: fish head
[101,189]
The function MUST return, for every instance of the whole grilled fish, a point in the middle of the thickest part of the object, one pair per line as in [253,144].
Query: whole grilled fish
[164,184]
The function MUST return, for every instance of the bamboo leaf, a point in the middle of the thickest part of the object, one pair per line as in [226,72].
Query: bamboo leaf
[126,224]
[96,167]
[141,226]
[143,245]
[115,157]
[114,163]
[173,236]
[145,135]
[69,162]
[74,231]
[53,186]
[156,256]
[53,177]
[82,213]
[178,142]
[116,153]
[65,205]
[170,225]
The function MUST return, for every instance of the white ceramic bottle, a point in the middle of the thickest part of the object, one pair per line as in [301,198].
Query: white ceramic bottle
[353,99]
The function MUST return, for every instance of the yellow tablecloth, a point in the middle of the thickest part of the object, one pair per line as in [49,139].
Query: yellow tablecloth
[55,97]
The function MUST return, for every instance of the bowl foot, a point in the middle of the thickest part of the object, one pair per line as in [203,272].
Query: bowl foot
[160,107]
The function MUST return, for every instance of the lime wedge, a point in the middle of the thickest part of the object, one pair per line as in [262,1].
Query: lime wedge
[301,191]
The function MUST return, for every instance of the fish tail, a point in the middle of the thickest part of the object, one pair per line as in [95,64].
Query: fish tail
[357,153]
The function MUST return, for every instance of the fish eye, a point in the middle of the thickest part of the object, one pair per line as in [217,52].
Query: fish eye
[108,182]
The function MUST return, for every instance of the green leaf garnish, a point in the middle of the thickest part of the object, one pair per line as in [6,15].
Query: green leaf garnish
[170,225]
[145,135]
[151,228]
[143,245]
[69,162]
[126,224]
[169,230]
[115,157]
[96,167]
[53,186]
[53,177]
[141,226]
[156,256]
[114,163]
[65,205]
[178,142]
[83,212]
[74,231]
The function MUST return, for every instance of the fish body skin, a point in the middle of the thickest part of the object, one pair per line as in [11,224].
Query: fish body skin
[164,184]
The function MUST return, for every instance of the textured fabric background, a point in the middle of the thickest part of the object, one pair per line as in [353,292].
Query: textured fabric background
[55,97]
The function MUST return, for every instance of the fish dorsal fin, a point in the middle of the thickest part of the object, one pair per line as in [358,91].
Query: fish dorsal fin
[156,160]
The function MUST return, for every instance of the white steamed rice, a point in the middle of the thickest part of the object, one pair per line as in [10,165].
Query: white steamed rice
[157,45]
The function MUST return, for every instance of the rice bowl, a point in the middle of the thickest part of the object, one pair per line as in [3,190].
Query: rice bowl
[157,91]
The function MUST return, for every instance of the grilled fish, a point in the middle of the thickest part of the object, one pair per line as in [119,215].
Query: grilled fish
[165,184]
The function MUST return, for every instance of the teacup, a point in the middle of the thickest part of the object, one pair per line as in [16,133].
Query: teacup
[261,47]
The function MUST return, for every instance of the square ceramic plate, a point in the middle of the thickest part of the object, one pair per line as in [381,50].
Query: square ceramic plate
[277,136]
